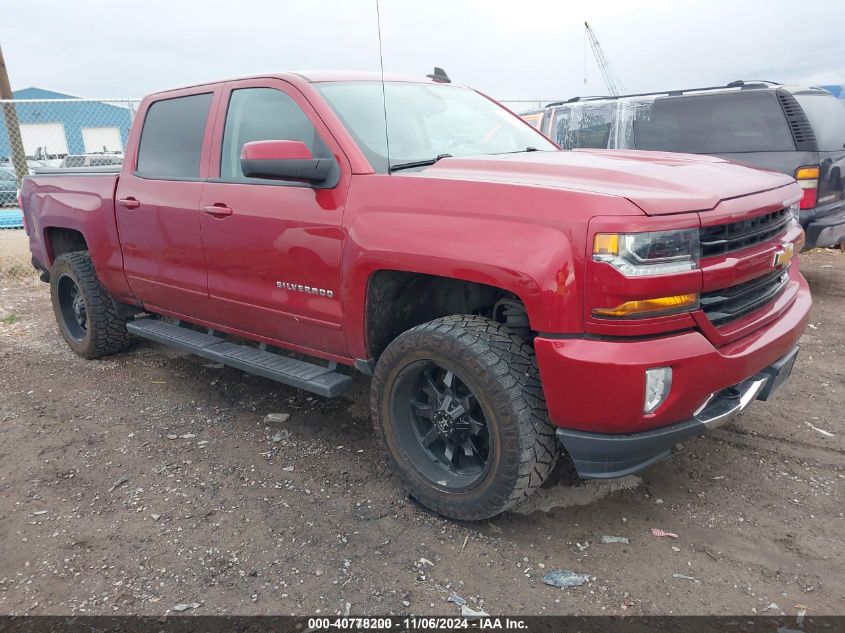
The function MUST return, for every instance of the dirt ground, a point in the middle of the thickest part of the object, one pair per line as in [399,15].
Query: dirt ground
[150,479]
[14,243]
[14,257]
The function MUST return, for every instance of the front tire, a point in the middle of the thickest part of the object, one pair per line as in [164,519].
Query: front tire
[459,406]
[86,314]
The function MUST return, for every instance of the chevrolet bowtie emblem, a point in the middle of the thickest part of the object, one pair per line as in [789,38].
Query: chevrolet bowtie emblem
[783,256]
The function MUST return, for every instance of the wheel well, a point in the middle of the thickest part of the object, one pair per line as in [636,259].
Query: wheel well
[63,241]
[398,301]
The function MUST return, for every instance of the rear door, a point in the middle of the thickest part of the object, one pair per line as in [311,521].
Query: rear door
[157,205]
[274,252]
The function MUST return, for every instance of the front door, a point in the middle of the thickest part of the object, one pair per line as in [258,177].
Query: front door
[273,248]
[157,208]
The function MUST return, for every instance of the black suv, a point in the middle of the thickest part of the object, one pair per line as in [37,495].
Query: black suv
[794,130]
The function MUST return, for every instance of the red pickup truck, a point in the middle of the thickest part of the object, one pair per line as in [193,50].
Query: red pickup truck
[510,300]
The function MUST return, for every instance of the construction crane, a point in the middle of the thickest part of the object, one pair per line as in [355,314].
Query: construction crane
[611,79]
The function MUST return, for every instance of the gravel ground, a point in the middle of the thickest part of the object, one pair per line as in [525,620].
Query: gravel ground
[151,479]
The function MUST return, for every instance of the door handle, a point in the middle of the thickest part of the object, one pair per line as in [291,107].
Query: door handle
[129,203]
[217,209]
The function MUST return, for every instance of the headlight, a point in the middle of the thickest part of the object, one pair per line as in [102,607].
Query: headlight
[794,208]
[655,253]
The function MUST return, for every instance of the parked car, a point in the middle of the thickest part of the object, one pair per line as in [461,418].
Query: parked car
[8,188]
[795,130]
[507,298]
[32,165]
[90,160]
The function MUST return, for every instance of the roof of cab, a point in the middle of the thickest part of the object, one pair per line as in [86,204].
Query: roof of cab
[312,76]
[319,76]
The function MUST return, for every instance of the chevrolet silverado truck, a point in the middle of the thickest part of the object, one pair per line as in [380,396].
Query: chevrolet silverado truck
[512,301]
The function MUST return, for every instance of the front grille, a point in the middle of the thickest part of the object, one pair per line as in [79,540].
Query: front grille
[724,238]
[728,304]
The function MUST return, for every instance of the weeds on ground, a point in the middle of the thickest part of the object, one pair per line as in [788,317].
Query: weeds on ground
[8,319]
[15,271]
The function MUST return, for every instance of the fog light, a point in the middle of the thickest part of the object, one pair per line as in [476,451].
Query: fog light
[658,383]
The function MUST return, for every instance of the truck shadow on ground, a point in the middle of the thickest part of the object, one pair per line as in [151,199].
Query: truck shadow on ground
[346,421]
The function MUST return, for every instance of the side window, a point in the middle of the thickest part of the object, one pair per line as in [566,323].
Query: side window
[583,125]
[827,116]
[596,120]
[263,114]
[171,139]
[559,128]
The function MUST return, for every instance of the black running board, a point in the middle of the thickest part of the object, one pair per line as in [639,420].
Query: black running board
[318,379]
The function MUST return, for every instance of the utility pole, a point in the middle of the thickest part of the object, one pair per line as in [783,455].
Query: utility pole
[13,130]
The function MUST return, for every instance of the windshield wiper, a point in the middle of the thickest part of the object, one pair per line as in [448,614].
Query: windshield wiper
[418,163]
[521,151]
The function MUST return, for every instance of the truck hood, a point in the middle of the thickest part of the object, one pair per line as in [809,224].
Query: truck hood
[659,183]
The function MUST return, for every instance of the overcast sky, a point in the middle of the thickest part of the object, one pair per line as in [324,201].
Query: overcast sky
[507,49]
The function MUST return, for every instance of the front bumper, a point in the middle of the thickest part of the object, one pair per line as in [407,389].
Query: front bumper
[605,455]
[594,387]
[827,231]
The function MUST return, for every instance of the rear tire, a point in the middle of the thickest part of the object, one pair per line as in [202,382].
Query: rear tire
[86,314]
[468,383]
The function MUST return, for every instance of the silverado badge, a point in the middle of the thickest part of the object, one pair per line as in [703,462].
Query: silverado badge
[310,290]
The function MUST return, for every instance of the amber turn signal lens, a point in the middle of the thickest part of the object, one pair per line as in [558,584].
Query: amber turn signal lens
[646,307]
[806,173]
[606,244]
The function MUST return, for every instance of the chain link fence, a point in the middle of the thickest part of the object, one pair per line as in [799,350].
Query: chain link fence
[51,133]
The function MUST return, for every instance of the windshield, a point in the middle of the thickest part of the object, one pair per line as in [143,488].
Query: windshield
[425,121]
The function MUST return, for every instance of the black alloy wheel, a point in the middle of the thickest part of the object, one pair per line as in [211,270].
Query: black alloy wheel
[458,404]
[446,432]
[87,316]
[72,308]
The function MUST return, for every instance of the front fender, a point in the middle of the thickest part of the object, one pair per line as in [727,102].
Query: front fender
[516,238]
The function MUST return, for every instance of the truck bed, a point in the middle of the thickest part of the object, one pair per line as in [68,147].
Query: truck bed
[58,171]
[81,200]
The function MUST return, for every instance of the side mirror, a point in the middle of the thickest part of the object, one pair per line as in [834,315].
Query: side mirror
[284,160]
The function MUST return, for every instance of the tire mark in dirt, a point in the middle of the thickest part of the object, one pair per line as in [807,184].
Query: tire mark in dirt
[802,450]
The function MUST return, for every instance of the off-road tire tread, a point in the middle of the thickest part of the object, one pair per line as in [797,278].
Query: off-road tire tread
[107,330]
[505,363]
